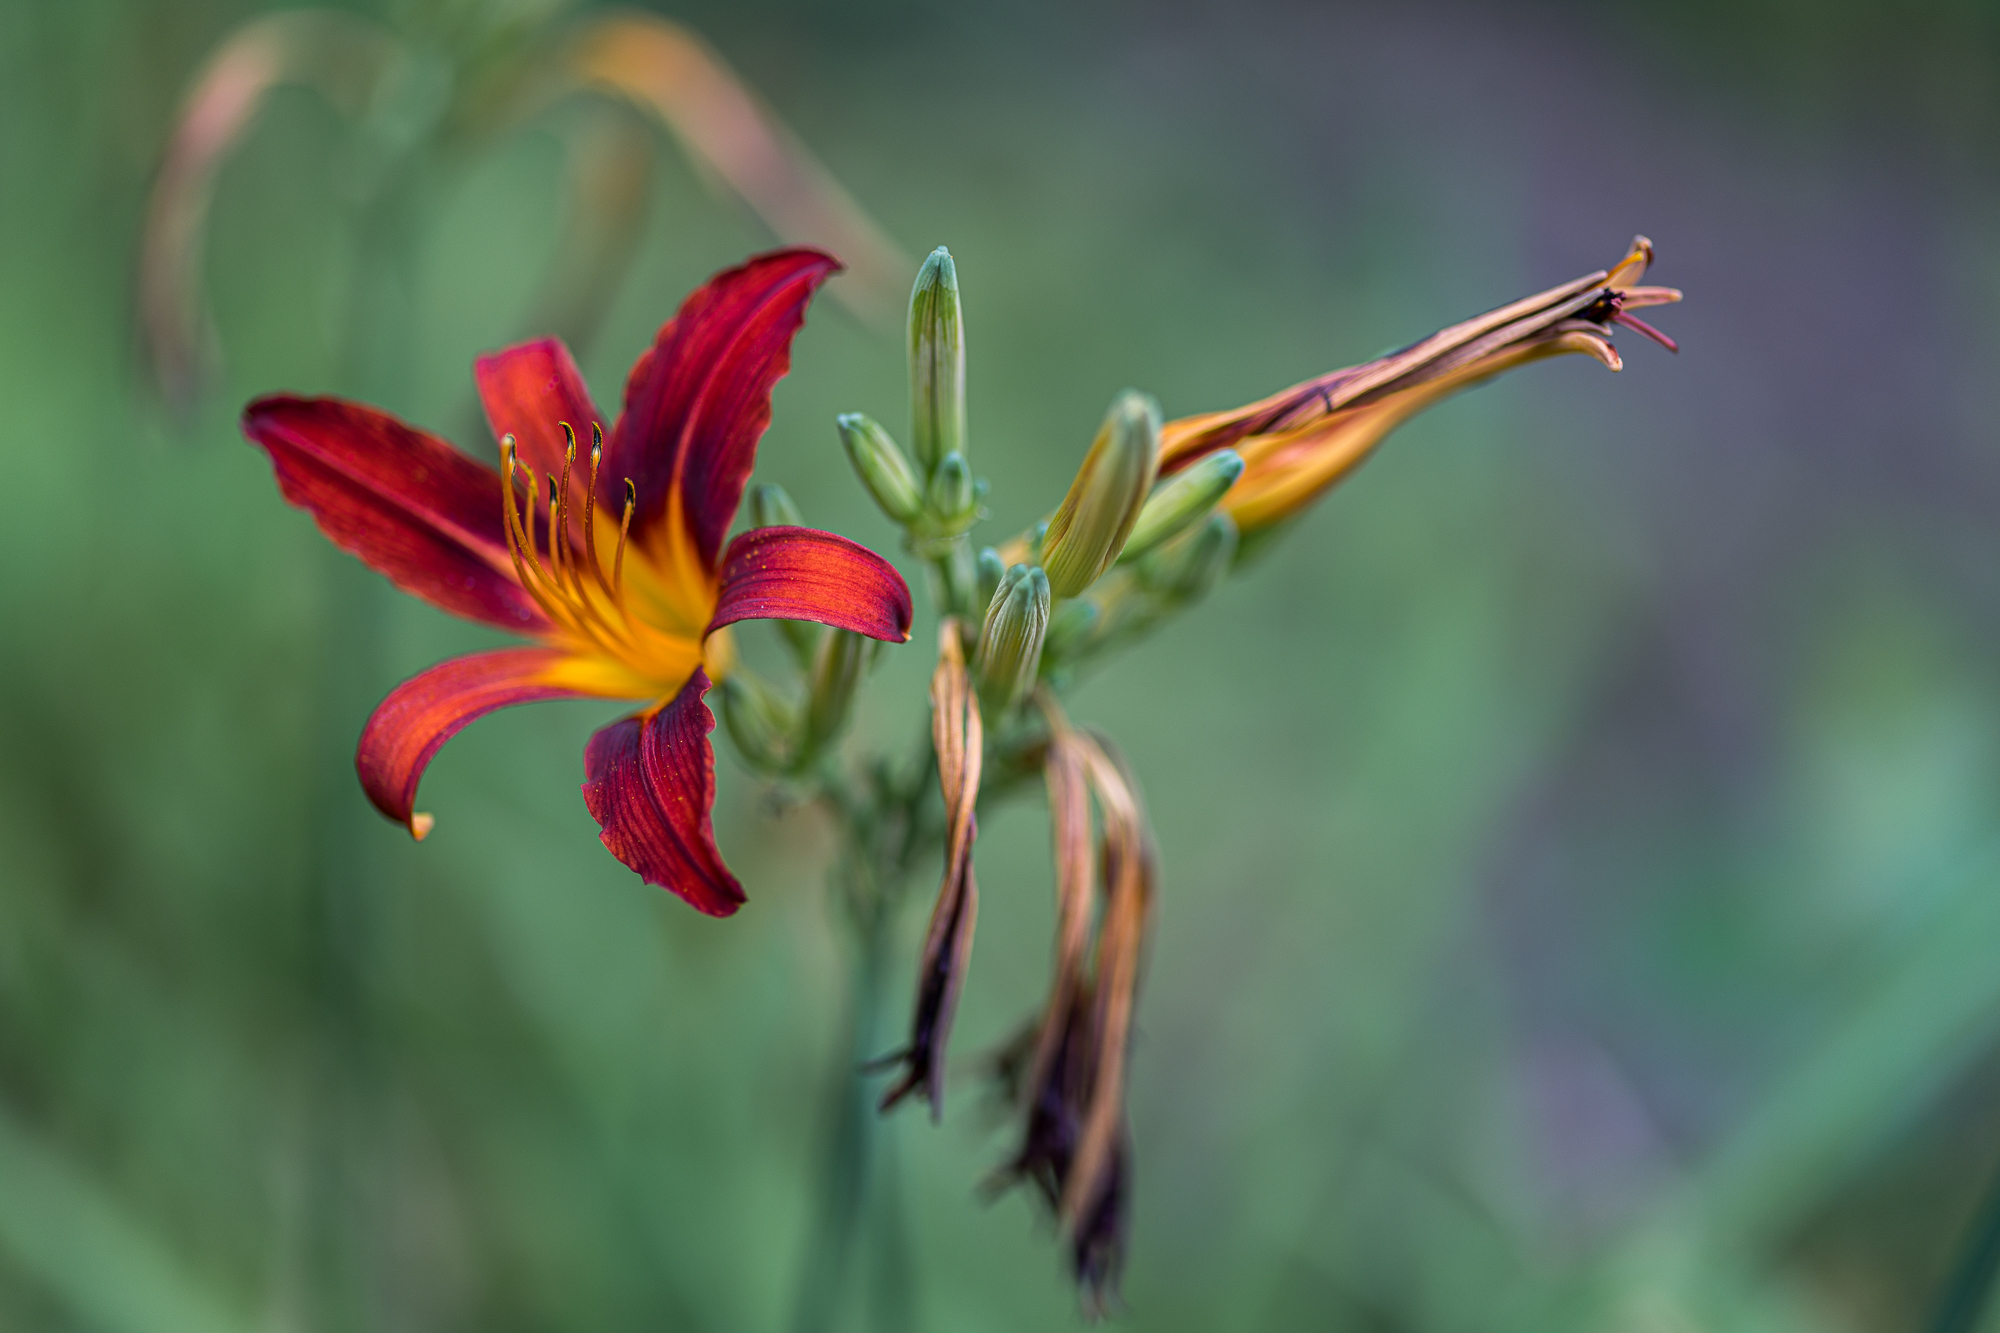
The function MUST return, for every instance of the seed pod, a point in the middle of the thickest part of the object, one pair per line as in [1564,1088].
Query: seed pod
[881,467]
[1010,642]
[937,363]
[1182,501]
[1097,516]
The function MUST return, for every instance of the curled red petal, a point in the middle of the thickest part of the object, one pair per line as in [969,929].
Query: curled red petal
[405,502]
[804,574]
[528,391]
[428,709]
[649,782]
[699,399]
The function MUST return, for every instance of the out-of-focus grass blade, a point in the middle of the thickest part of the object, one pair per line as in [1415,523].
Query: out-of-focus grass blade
[1933,1009]
[610,166]
[671,73]
[97,1259]
[340,55]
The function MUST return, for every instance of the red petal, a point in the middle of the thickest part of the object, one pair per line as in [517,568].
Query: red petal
[405,502]
[428,709]
[650,780]
[806,574]
[700,397]
[528,391]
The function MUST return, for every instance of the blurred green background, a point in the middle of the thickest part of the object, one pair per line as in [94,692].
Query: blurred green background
[1581,897]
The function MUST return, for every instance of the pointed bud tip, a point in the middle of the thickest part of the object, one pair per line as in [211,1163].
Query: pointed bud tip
[421,826]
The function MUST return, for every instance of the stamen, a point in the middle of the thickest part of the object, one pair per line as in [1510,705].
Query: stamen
[555,531]
[568,563]
[1634,322]
[624,526]
[590,512]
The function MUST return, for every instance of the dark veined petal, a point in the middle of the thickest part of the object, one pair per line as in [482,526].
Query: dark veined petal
[428,709]
[408,504]
[699,399]
[805,574]
[649,781]
[529,391]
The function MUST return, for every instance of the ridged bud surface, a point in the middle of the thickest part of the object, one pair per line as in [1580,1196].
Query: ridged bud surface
[937,363]
[881,466]
[1182,501]
[1010,641]
[1095,518]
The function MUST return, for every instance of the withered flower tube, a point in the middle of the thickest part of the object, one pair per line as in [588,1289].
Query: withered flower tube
[1299,443]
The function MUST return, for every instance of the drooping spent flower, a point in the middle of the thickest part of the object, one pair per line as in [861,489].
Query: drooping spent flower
[1067,1074]
[1298,443]
[958,741]
[624,580]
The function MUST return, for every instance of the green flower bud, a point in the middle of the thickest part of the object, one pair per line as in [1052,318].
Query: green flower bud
[763,727]
[1182,501]
[953,497]
[1095,518]
[881,467]
[1187,567]
[991,570]
[937,363]
[771,507]
[1070,626]
[1010,642]
[836,671]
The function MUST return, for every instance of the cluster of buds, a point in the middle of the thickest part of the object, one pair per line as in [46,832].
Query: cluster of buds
[1155,516]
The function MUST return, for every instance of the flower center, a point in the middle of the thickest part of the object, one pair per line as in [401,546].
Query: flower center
[568,579]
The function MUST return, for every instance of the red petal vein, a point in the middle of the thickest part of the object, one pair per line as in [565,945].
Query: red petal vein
[649,782]
[806,574]
[699,399]
[409,505]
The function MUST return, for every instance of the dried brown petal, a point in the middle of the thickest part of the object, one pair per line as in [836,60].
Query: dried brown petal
[957,738]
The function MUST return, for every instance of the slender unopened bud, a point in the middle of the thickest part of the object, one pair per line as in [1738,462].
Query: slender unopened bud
[1095,518]
[836,671]
[1010,642]
[771,507]
[937,363]
[1182,501]
[763,727]
[881,467]
[953,497]
[1187,567]
[991,570]
[1070,625]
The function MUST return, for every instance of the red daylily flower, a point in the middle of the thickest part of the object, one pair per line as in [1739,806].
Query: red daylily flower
[623,580]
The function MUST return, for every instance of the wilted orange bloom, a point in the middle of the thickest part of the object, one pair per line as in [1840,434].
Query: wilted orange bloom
[1298,443]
